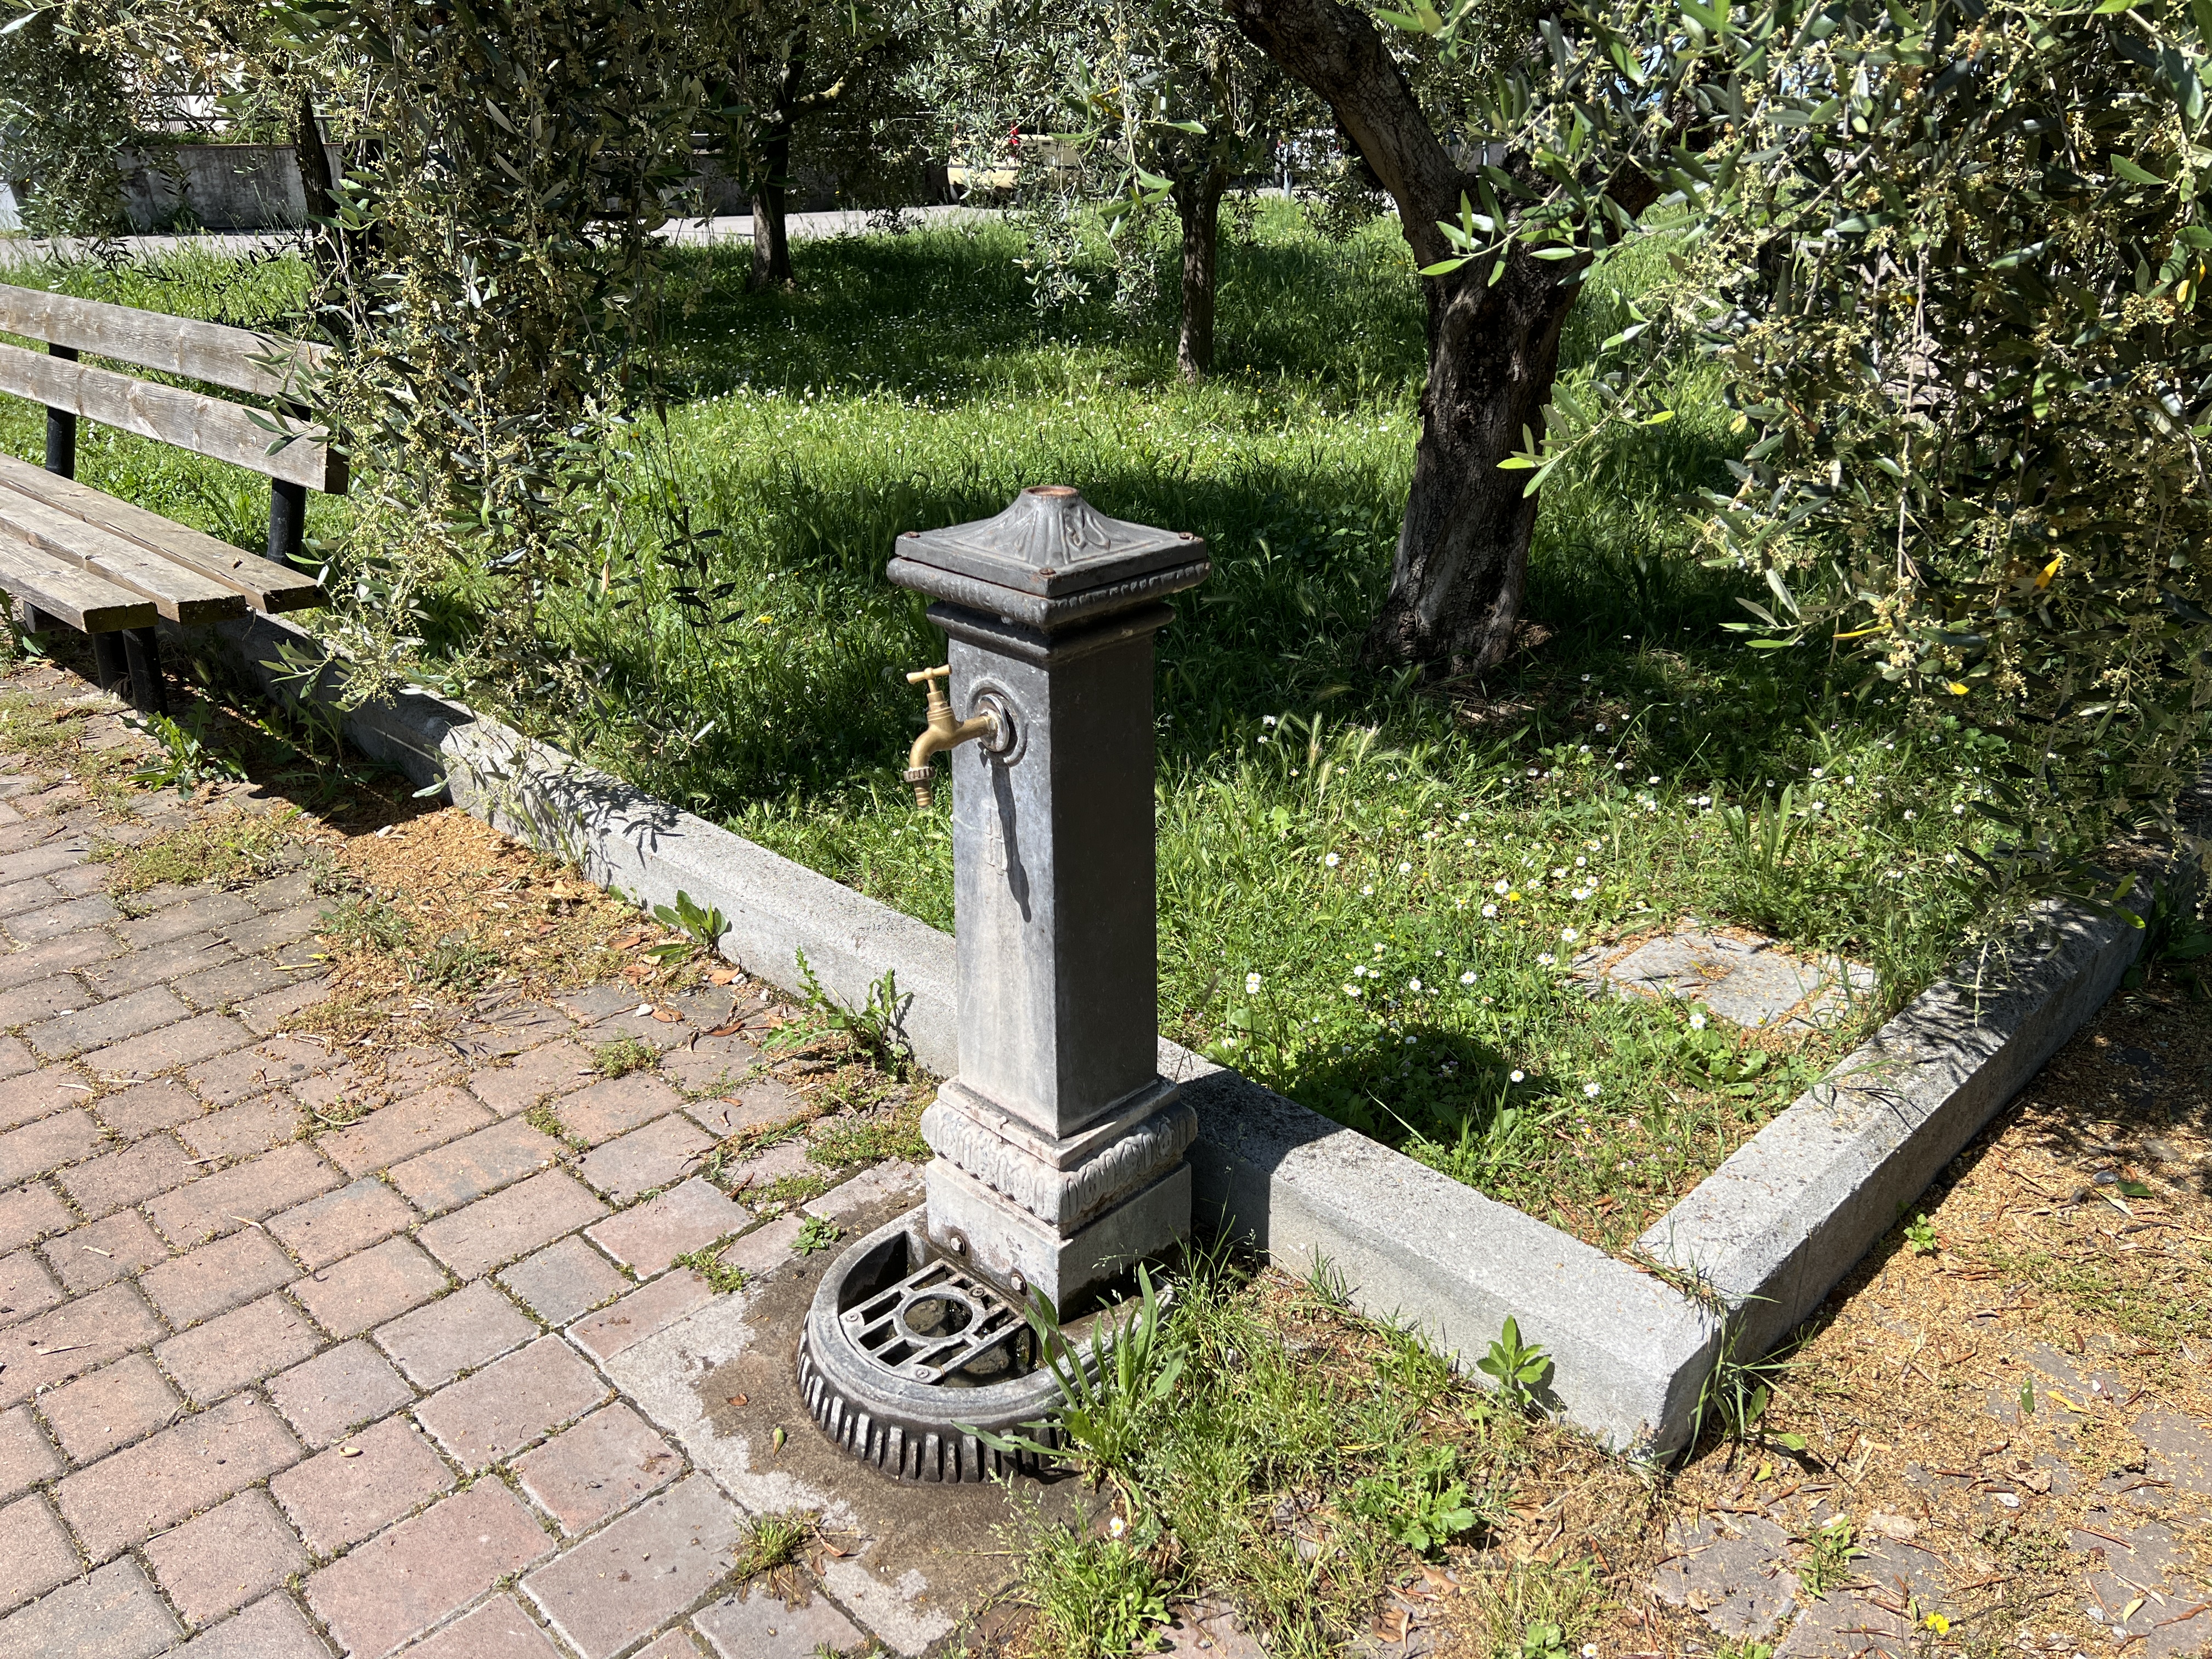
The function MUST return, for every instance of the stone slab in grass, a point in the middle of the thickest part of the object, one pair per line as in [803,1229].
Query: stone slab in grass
[1745,979]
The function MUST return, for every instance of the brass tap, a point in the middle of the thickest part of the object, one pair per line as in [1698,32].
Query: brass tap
[942,732]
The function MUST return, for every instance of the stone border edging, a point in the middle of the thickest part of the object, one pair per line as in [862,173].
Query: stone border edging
[1767,1235]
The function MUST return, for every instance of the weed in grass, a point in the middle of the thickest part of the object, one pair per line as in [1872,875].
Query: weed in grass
[1737,1391]
[815,1234]
[363,921]
[542,1119]
[622,1056]
[722,1277]
[785,1193]
[227,848]
[454,962]
[1096,1598]
[1920,1233]
[773,1542]
[703,927]
[181,758]
[876,1027]
[1829,1551]
[1521,1370]
[1421,1498]
[851,1142]
[1538,1608]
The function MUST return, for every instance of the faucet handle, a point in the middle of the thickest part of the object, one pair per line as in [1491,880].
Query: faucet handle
[923,676]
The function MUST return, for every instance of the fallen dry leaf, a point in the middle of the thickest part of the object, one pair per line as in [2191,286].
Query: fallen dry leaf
[666,1015]
[1393,1624]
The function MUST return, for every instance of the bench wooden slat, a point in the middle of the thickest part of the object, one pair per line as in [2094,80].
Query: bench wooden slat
[180,594]
[90,604]
[266,585]
[205,425]
[213,352]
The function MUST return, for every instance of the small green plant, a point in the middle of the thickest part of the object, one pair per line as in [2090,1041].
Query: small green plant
[1829,1553]
[1737,1392]
[2176,938]
[773,1542]
[365,922]
[1106,1397]
[1541,1639]
[622,1056]
[541,1118]
[816,1234]
[183,759]
[1920,1233]
[722,1277]
[702,929]
[877,1027]
[1521,1370]
[1095,1597]
[454,962]
[1421,1498]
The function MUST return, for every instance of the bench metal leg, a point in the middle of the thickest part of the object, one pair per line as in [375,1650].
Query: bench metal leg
[143,647]
[109,665]
[287,521]
[61,429]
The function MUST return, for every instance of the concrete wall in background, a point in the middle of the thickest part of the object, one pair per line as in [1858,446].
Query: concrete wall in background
[218,186]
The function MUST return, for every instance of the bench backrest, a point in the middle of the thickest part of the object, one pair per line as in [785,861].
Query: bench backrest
[263,367]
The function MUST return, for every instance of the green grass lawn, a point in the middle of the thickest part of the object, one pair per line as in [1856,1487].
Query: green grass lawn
[1368,890]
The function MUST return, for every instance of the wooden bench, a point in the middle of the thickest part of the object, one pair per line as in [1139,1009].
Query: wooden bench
[72,557]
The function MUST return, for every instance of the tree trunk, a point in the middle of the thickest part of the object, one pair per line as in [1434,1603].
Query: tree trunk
[771,237]
[317,189]
[1198,205]
[1462,559]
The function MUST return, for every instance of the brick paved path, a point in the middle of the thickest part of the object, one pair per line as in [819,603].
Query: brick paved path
[277,1379]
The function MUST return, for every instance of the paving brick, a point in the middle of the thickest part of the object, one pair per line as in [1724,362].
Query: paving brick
[262,1015]
[60,854]
[79,1336]
[671,1645]
[498,1629]
[112,1407]
[606,1463]
[35,894]
[241,1131]
[349,1384]
[265,1065]
[557,1068]
[765,1250]
[26,1287]
[236,980]
[224,1274]
[31,1213]
[215,1203]
[351,1295]
[163,962]
[71,952]
[562,1281]
[892,1186]
[210,913]
[503,1407]
[225,1354]
[277,927]
[405,1580]
[142,1057]
[77,882]
[641,1314]
[647,1236]
[605,1109]
[497,1229]
[104,1023]
[715,1063]
[86,1258]
[42,1000]
[27,1456]
[30,926]
[643,1028]
[272,1628]
[616,1586]
[113,1614]
[134,1112]
[101,1186]
[35,1552]
[758,1624]
[392,1134]
[474,1165]
[437,1343]
[337,1499]
[134,1492]
[662,1153]
[223,1559]
[338,1224]
[62,1138]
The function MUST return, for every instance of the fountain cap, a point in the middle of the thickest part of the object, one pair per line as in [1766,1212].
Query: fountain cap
[1050,562]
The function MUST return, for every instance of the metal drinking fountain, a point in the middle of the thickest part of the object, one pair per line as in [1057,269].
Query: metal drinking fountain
[1059,1148]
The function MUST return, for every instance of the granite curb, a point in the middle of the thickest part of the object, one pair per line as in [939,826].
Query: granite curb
[1751,1251]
